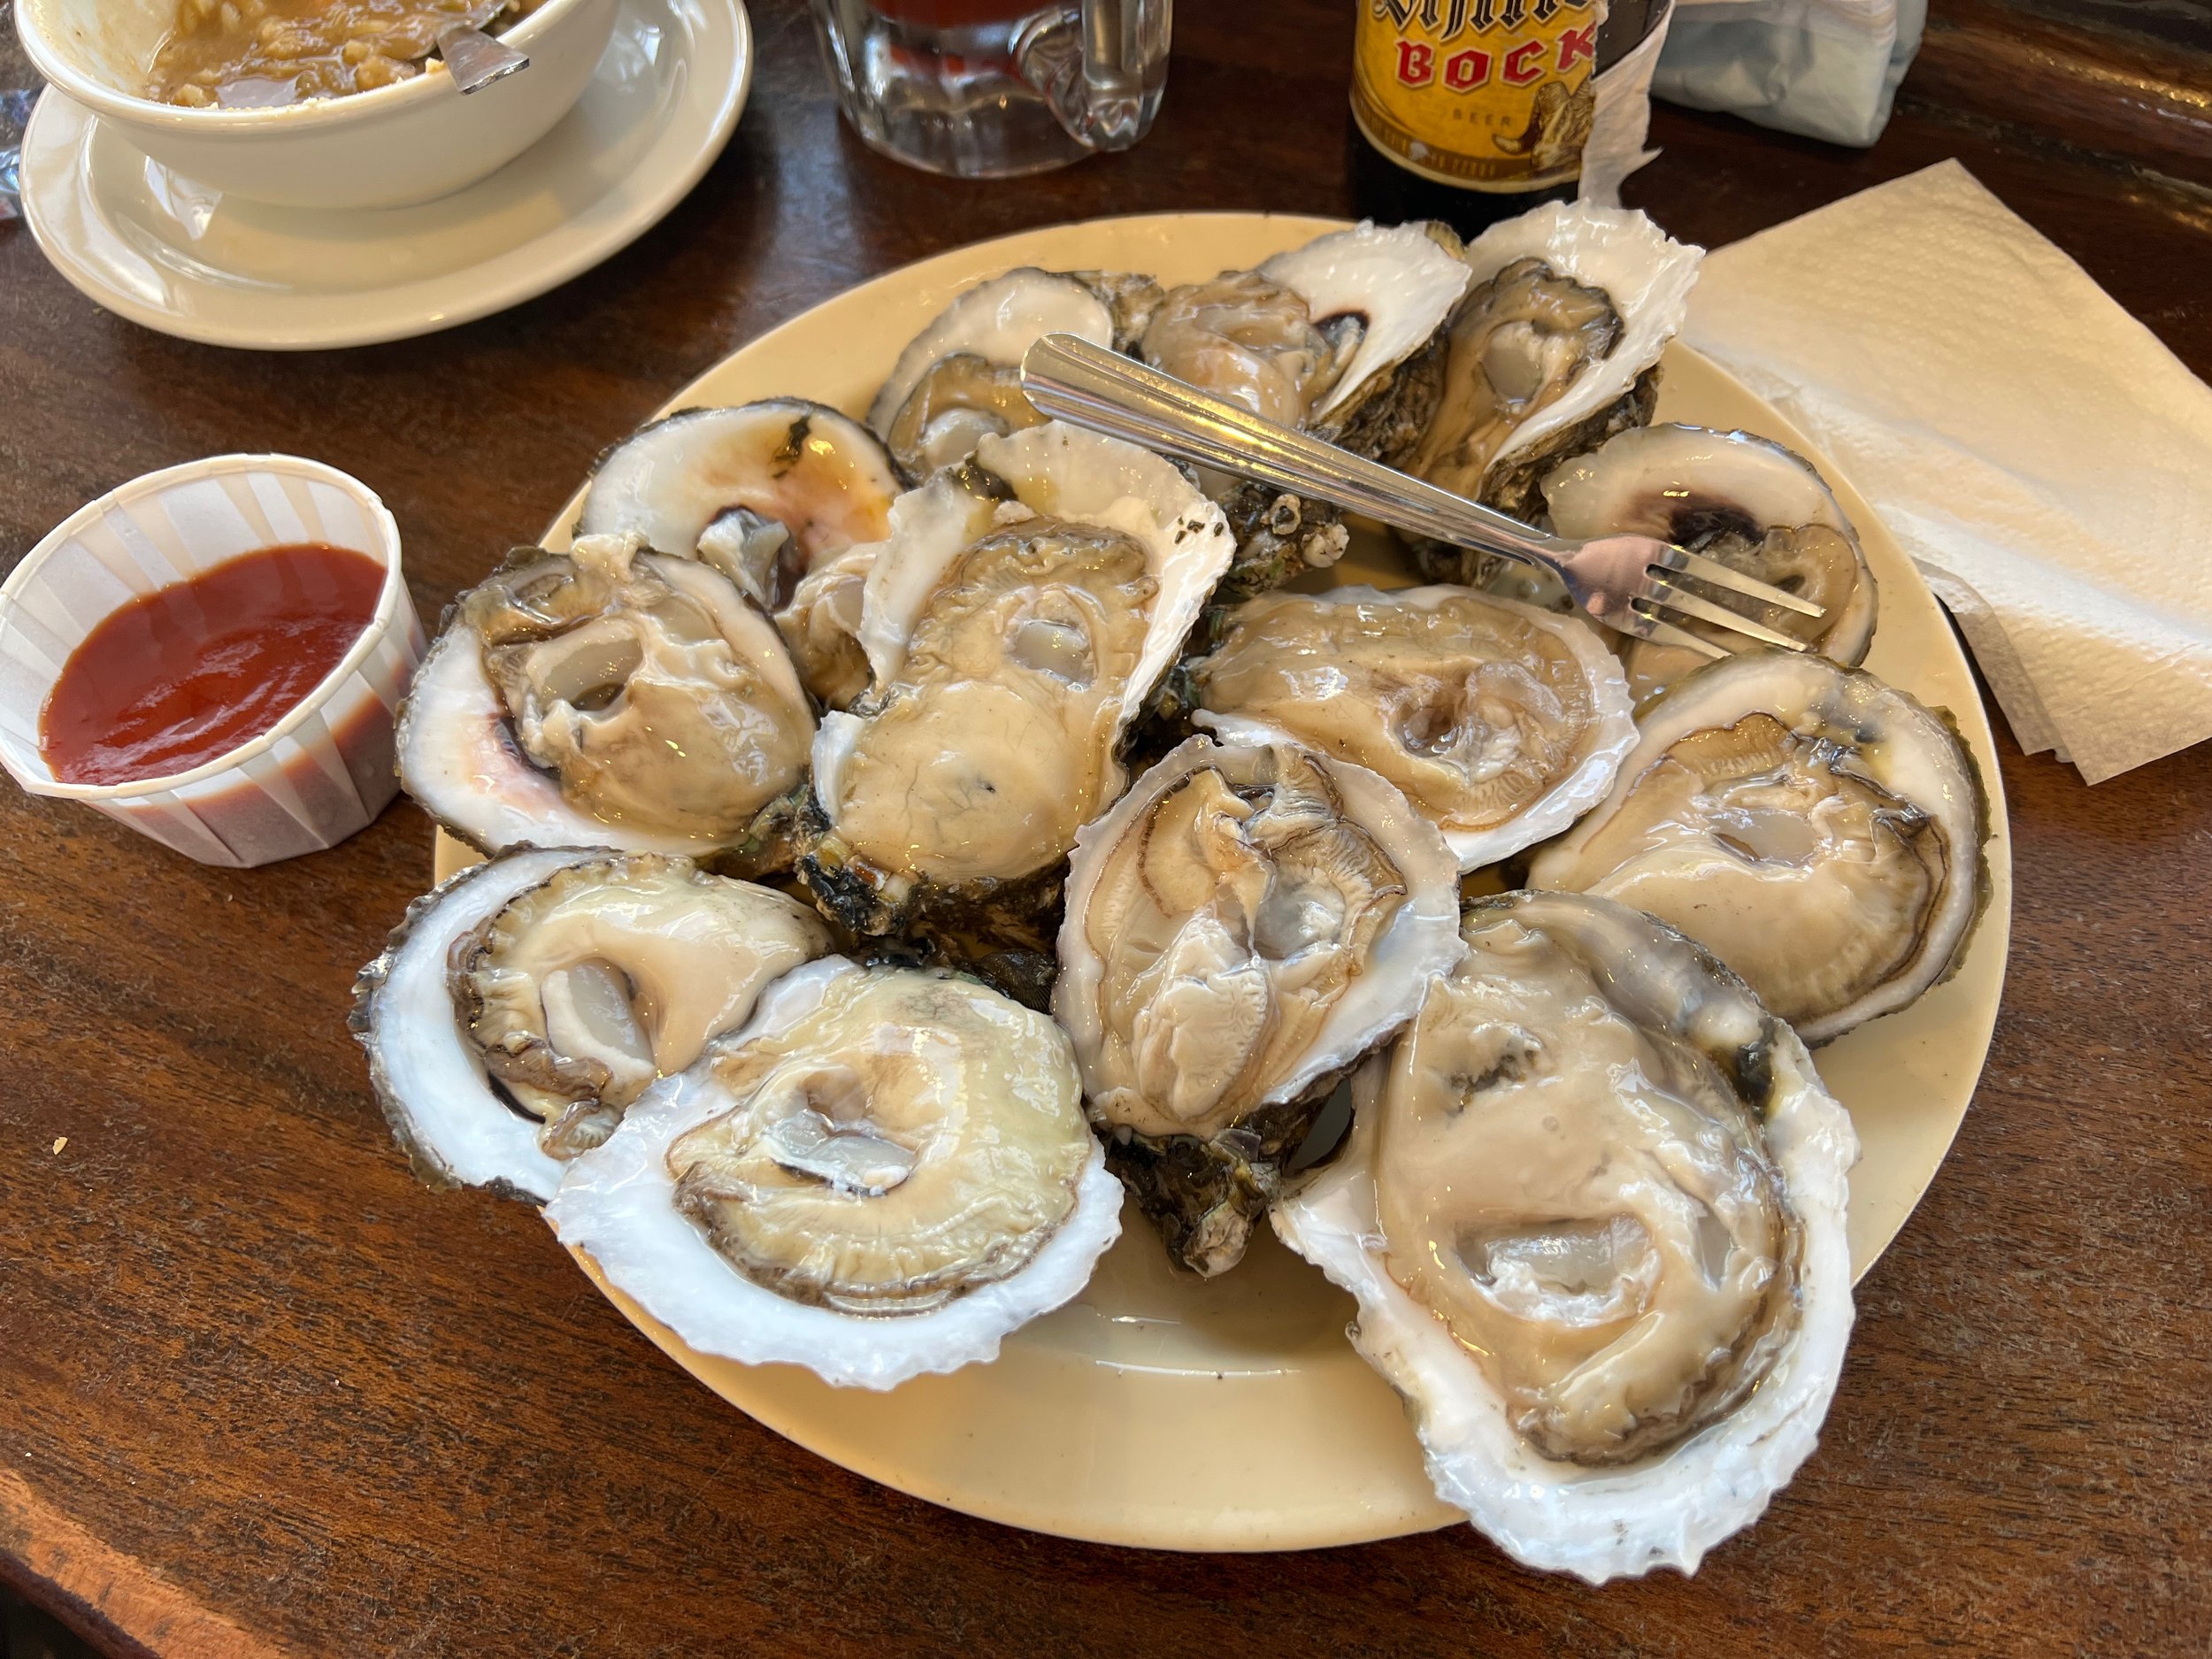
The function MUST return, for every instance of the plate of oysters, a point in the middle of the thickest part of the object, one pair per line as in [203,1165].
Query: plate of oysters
[1129,1004]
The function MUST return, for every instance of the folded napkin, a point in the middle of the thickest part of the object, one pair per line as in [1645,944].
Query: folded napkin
[2045,461]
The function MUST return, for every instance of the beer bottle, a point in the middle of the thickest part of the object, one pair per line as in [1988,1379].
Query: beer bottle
[1473,111]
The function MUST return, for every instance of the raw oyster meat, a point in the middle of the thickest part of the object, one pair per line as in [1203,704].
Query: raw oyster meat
[1242,927]
[1331,337]
[1341,337]
[960,378]
[1819,830]
[1743,500]
[1023,606]
[820,624]
[772,494]
[1593,1210]
[605,696]
[1248,338]
[521,1008]
[1555,349]
[883,1174]
[1500,722]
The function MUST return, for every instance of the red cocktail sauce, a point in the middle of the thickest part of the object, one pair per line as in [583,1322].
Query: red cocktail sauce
[184,675]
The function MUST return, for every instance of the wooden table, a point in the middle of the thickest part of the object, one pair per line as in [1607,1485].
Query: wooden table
[259,1391]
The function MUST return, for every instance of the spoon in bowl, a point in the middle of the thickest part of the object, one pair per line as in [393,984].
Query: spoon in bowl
[474,58]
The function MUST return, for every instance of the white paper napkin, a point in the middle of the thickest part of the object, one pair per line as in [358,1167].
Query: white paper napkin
[2045,461]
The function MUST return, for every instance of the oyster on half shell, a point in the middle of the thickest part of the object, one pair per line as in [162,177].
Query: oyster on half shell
[607,696]
[960,378]
[1242,927]
[522,1006]
[1819,830]
[884,1173]
[1592,1208]
[1024,605]
[1500,722]
[773,493]
[1341,337]
[1741,499]
[1555,349]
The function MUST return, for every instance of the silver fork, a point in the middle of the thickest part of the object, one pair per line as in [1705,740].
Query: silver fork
[1623,582]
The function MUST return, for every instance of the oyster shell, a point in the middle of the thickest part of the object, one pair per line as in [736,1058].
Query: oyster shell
[796,475]
[521,1006]
[1340,337]
[1592,1208]
[960,378]
[1245,924]
[1500,722]
[769,494]
[1741,499]
[606,696]
[1555,349]
[820,624]
[1380,295]
[884,1173]
[1014,623]
[1819,830]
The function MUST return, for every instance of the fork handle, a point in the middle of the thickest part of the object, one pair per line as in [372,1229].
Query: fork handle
[1067,376]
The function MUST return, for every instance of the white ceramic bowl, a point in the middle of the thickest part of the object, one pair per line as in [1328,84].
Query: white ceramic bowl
[408,142]
[322,771]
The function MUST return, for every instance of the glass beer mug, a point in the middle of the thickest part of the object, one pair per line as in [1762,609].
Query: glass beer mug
[997,89]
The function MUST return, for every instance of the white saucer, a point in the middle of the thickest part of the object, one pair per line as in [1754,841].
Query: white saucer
[166,252]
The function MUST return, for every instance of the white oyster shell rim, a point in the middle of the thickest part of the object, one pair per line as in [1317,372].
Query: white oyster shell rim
[1613,733]
[998,320]
[931,526]
[1769,481]
[429,1078]
[1601,1522]
[1646,273]
[1336,273]
[616,1206]
[1422,939]
[650,482]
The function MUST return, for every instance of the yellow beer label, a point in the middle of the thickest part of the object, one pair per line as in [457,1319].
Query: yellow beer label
[1494,93]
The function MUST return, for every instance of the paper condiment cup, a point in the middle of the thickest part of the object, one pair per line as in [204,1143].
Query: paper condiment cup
[322,771]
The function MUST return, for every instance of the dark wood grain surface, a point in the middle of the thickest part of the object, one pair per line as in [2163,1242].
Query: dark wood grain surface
[259,1391]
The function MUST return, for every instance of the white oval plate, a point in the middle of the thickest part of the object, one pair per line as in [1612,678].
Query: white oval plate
[164,251]
[1166,1412]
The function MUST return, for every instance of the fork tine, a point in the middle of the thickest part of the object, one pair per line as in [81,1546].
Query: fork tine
[1711,570]
[1666,633]
[1665,593]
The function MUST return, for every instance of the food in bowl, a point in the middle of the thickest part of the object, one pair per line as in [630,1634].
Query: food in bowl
[255,54]
[408,142]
